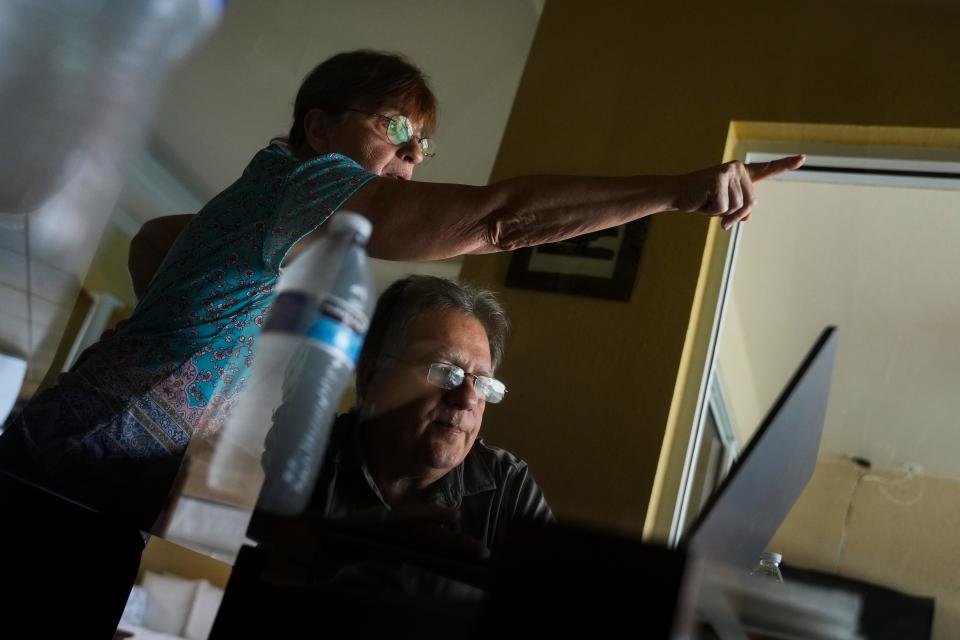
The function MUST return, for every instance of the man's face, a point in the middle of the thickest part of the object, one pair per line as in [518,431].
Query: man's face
[428,428]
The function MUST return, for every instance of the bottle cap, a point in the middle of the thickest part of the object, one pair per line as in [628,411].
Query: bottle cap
[772,556]
[353,222]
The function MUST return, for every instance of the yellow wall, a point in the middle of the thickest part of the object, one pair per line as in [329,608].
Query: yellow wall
[108,271]
[885,529]
[629,87]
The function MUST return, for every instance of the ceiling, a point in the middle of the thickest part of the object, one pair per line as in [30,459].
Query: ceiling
[237,91]
[881,264]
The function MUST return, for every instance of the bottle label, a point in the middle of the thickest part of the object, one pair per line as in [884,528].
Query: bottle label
[332,323]
[338,336]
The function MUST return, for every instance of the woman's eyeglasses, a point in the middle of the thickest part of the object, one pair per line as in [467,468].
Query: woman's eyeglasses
[400,131]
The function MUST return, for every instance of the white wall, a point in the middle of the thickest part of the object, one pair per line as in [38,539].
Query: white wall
[883,528]
[237,91]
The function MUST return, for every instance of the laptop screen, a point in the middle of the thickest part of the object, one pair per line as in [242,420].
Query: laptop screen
[742,516]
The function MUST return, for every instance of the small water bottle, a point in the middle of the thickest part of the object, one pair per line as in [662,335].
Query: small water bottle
[79,82]
[769,566]
[304,360]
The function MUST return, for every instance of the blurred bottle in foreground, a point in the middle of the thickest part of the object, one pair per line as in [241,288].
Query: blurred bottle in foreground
[79,82]
[303,362]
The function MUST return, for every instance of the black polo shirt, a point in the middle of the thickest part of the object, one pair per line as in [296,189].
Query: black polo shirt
[490,489]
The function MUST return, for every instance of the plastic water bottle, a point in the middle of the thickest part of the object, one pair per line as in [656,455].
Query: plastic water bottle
[303,361]
[769,566]
[79,81]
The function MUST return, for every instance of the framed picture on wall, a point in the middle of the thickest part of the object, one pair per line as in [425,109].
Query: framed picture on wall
[601,265]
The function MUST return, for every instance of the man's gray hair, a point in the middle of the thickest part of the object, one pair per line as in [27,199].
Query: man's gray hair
[407,298]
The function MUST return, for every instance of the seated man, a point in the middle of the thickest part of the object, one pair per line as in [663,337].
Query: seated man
[424,378]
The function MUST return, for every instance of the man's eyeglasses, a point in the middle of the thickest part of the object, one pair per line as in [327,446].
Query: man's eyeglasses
[449,376]
[400,131]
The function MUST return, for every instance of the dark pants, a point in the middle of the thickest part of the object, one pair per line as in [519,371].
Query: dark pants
[65,570]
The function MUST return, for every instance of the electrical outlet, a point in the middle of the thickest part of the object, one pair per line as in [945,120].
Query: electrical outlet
[913,468]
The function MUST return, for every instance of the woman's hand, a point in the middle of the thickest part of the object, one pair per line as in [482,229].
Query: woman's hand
[727,191]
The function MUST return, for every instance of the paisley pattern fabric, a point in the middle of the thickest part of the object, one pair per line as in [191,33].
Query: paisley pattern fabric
[114,428]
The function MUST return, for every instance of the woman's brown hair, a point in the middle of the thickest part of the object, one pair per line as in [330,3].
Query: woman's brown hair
[363,79]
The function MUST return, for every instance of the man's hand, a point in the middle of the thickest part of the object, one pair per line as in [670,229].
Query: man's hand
[727,191]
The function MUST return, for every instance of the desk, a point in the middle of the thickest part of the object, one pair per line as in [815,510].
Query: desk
[548,580]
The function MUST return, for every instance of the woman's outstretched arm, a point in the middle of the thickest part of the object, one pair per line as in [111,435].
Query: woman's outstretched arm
[430,221]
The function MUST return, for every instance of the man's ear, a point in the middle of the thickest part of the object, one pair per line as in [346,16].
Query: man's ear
[316,129]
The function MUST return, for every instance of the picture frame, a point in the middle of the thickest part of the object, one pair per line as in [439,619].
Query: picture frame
[602,264]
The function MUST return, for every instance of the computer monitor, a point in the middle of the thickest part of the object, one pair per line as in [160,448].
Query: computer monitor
[742,516]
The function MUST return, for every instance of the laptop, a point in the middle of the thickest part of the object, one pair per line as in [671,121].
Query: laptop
[744,513]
